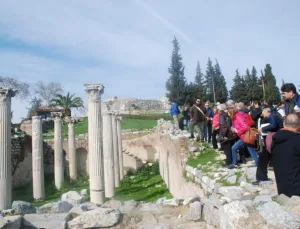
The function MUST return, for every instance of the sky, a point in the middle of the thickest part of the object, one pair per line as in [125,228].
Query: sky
[127,44]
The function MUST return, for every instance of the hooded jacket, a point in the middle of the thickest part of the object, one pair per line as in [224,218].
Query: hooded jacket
[240,123]
[286,162]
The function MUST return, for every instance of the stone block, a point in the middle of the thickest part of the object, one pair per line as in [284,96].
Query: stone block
[196,211]
[72,197]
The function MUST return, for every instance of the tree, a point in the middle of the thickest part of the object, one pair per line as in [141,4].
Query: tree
[238,89]
[271,90]
[221,91]
[35,103]
[209,81]
[198,87]
[47,92]
[23,88]
[67,103]
[253,90]
[176,84]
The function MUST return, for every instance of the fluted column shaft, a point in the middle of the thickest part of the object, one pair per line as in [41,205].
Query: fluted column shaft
[116,150]
[95,154]
[5,148]
[120,148]
[58,153]
[37,159]
[72,150]
[108,155]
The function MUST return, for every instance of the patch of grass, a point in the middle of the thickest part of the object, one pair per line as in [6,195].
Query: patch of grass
[208,155]
[25,193]
[138,124]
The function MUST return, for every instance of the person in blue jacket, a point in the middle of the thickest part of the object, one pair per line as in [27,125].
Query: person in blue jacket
[292,99]
[175,112]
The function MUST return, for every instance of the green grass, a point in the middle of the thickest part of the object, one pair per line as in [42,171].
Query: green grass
[208,155]
[147,185]
[138,124]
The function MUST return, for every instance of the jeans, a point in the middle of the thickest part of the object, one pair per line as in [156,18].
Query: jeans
[186,123]
[207,132]
[200,127]
[238,145]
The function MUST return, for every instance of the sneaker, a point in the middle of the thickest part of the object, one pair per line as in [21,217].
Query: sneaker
[192,136]
[256,182]
[231,166]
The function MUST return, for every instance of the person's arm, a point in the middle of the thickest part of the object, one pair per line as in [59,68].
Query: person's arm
[223,126]
[272,125]
[192,113]
[178,111]
[242,125]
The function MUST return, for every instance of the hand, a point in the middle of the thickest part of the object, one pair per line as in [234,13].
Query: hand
[297,111]
[234,130]
[225,138]
[259,130]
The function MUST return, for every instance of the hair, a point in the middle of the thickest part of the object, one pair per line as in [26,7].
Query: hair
[240,105]
[287,87]
[292,121]
[282,102]
[221,107]
[232,111]
[267,109]
[256,102]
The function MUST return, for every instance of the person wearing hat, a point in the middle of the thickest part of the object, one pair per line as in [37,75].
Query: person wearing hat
[208,124]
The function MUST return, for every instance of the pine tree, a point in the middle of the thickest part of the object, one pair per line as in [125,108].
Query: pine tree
[253,91]
[176,84]
[209,81]
[271,90]
[220,84]
[238,89]
[199,88]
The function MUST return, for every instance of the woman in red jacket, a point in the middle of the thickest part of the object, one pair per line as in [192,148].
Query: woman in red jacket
[241,124]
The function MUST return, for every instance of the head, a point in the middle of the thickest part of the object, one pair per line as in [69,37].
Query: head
[230,103]
[221,108]
[231,112]
[288,91]
[215,110]
[240,105]
[256,104]
[207,105]
[292,122]
[266,112]
[198,102]
[281,104]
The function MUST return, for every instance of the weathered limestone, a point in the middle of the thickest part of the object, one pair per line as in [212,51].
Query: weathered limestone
[58,151]
[120,148]
[96,171]
[72,149]
[5,147]
[37,159]
[116,149]
[108,155]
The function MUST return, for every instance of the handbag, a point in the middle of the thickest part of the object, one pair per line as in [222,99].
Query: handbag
[250,136]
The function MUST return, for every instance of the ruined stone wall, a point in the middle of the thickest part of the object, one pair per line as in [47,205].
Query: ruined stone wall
[26,126]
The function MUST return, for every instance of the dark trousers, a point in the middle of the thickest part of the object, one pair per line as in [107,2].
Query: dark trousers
[207,132]
[214,138]
[262,165]
[227,151]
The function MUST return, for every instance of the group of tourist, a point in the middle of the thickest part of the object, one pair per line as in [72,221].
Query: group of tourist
[231,127]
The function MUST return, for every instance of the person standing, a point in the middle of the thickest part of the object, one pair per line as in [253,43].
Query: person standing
[198,117]
[285,149]
[175,112]
[186,118]
[208,124]
[216,126]
[292,99]
[255,113]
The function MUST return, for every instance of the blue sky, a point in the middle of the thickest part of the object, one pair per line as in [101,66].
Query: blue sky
[126,44]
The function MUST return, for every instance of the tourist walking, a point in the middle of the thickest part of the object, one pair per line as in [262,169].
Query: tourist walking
[226,136]
[198,117]
[175,112]
[186,118]
[241,124]
[272,124]
[208,124]
[286,157]
[291,97]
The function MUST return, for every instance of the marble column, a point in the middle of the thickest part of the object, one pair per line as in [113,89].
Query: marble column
[5,147]
[58,152]
[37,159]
[120,148]
[96,171]
[116,150]
[72,149]
[108,155]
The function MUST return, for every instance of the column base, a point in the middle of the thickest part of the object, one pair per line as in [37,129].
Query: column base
[97,196]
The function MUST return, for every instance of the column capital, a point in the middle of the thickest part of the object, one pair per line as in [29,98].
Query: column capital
[107,113]
[94,91]
[56,115]
[119,118]
[6,93]
[70,120]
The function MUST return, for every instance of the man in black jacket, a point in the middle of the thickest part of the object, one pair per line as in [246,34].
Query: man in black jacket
[286,157]
[256,113]
[198,117]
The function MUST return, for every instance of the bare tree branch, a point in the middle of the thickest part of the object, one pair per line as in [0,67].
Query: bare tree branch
[23,88]
[47,92]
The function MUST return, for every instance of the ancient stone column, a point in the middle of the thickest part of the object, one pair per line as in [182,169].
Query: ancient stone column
[116,150]
[37,159]
[5,147]
[120,148]
[72,149]
[96,171]
[108,155]
[58,152]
